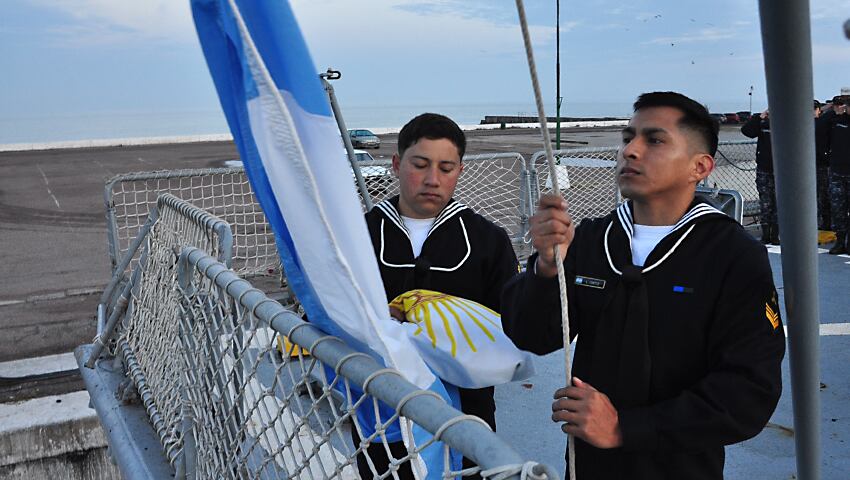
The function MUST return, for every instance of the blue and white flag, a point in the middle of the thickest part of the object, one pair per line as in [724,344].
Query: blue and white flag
[291,148]
[292,152]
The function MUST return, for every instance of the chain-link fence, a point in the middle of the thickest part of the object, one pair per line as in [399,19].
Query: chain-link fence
[223,192]
[226,399]
[735,169]
[586,177]
[494,185]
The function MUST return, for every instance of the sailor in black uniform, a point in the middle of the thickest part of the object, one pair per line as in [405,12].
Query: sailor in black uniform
[425,239]
[680,339]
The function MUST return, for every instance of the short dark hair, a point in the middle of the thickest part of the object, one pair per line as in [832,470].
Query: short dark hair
[695,116]
[432,126]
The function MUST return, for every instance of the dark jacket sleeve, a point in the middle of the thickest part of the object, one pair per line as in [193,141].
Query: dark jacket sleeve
[531,308]
[502,266]
[739,393]
[752,127]
[824,123]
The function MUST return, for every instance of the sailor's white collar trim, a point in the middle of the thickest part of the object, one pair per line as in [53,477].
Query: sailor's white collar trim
[624,214]
[392,213]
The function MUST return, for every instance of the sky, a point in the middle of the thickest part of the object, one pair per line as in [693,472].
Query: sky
[71,57]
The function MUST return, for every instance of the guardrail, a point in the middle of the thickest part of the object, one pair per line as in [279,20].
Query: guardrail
[221,396]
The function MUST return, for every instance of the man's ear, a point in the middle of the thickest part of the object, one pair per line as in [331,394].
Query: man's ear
[703,166]
[396,163]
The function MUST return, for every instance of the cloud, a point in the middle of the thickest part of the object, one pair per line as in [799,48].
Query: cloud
[703,35]
[115,22]
[431,29]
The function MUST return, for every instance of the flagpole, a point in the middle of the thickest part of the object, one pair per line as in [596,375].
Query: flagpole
[346,139]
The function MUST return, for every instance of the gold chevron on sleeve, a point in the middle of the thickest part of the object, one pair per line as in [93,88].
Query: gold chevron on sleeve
[772,316]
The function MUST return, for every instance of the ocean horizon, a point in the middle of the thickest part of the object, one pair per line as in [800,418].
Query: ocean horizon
[104,125]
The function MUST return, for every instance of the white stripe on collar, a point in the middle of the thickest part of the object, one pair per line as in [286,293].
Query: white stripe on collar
[440,269]
[450,211]
[390,211]
[624,214]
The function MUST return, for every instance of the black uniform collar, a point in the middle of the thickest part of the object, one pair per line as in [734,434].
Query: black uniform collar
[699,211]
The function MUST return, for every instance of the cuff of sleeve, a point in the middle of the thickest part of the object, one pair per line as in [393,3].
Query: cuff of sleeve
[637,429]
[535,281]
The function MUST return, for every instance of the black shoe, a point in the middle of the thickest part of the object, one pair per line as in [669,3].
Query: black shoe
[765,233]
[840,244]
[774,234]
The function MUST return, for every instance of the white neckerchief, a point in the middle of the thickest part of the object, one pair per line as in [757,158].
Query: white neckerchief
[418,229]
[644,240]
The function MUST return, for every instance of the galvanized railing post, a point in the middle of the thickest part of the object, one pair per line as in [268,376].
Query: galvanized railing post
[786,38]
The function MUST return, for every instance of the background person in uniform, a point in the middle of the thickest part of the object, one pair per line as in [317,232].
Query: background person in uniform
[822,169]
[679,336]
[425,239]
[835,121]
[758,126]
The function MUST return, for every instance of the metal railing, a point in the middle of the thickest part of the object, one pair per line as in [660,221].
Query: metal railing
[222,396]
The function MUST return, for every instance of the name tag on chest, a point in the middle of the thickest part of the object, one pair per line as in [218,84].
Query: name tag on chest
[583,281]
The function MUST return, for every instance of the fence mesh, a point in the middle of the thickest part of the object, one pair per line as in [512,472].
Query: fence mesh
[491,184]
[223,192]
[735,169]
[221,388]
[586,177]
[148,336]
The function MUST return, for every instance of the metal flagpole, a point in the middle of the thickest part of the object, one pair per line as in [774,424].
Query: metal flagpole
[786,39]
[557,74]
[346,140]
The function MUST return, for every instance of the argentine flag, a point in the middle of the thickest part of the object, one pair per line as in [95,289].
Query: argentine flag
[291,148]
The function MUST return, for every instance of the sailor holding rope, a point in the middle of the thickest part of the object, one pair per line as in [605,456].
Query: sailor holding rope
[680,339]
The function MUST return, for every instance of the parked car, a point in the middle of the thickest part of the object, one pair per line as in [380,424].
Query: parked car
[719,117]
[732,118]
[378,178]
[744,116]
[364,139]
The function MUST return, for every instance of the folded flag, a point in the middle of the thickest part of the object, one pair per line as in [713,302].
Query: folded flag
[461,340]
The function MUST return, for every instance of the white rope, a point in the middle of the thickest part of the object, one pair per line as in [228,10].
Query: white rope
[550,159]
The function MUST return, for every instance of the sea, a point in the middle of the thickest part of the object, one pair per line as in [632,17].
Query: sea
[99,125]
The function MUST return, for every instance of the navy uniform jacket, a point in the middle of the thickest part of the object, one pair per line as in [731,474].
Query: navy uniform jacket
[759,128]
[464,255]
[837,129]
[687,347]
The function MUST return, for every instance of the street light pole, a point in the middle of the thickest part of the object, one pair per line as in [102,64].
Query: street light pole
[751,99]
[558,74]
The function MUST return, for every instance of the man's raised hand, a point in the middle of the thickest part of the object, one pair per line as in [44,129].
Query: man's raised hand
[551,226]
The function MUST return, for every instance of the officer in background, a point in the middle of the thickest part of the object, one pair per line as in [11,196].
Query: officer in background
[822,166]
[835,121]
[758,126]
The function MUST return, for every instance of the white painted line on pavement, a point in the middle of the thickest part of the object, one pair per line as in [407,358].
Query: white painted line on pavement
[831,329]
[47,185]
[38,365]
